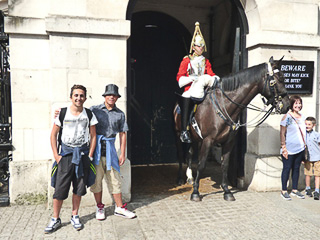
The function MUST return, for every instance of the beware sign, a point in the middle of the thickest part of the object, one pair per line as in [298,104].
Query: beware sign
[298,76]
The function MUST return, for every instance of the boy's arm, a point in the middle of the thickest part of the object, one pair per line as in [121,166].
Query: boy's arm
[93,140]
[123,142]
[53,140]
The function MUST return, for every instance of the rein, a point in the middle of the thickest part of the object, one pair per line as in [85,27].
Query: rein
[222,112]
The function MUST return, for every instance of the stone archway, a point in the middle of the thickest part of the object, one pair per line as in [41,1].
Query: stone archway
[218,24]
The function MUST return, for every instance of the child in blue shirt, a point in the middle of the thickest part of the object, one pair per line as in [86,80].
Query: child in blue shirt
[312,167]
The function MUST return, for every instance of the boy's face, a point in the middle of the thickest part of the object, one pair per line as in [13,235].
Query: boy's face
[309,125]
[78,97]
[111,99]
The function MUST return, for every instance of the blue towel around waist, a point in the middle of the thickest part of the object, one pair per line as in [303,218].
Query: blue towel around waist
[111,153]
[77,154]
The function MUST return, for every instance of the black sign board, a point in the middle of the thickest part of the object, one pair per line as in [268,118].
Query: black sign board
[298,76]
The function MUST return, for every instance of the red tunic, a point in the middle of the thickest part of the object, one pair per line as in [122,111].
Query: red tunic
[183,70]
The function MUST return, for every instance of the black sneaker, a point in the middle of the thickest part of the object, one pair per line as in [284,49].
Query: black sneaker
[285,196]
[53,225]
[297,194]
[309,192]
[316,196]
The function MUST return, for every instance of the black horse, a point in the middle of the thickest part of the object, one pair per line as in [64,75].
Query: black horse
[218,114]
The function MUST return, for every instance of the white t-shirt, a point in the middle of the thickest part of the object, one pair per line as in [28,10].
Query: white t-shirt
[294,141]
[75,128]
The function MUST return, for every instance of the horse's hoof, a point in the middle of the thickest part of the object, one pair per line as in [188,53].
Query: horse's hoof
[228,197]
[195,197]
[190,181]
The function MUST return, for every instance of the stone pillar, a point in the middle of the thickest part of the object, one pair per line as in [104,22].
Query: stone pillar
[285,35]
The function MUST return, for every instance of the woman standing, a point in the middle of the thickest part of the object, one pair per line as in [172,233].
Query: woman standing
[292,135]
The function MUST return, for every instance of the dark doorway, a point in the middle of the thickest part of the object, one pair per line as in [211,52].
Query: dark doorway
[157,45]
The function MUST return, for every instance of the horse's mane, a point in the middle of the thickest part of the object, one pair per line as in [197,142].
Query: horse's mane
[246,76]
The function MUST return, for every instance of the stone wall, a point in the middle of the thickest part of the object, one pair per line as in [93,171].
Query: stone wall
[54,45]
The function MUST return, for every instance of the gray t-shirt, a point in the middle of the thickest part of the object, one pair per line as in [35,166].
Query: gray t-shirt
[109,122]
[313,140]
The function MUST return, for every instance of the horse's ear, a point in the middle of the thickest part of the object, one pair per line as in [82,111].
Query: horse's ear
[271,60]
[281,60]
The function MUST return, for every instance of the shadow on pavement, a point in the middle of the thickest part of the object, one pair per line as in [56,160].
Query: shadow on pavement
[152,183]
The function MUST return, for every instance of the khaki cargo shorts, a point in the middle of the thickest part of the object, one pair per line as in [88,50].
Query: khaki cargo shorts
[312,168]
[113,178]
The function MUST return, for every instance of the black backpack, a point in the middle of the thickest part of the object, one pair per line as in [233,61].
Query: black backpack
[62,115]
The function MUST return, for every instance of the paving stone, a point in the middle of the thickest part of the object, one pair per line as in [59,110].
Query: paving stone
[251,216]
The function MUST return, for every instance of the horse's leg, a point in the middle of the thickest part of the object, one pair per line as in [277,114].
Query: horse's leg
[180,179]
[226,150]
[189,164]
[203,154]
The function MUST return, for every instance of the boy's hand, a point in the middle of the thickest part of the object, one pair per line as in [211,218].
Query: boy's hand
[121,160]
[57,158]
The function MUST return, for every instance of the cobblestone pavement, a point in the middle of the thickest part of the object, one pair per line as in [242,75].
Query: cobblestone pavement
[173,216]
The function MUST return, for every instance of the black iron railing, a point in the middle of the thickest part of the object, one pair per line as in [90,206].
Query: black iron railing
[5,114]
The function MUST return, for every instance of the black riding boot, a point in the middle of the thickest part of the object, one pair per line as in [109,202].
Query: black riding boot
[185,106]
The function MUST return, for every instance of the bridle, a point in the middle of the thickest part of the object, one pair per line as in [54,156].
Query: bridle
[275,101]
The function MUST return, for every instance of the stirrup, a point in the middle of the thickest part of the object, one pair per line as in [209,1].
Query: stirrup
[185,137]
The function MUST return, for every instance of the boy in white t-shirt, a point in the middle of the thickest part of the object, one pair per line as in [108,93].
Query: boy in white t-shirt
[73,161]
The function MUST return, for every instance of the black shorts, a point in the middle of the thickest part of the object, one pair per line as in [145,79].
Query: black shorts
[66,174]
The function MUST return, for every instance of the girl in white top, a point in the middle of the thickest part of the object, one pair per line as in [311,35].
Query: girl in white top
[292,135]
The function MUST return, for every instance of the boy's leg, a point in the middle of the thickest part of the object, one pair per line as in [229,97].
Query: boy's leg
[317,174]
[308,173]
[75,204]
[114,185]
[308,181]
[75,219]
[118,199]
[98,197]
[63,181]
[57,204]
[96,189]
[79,190]
[317,182]
[55,221]
[113,180]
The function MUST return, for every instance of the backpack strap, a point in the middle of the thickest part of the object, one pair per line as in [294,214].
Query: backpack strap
[89,114]
[62,115]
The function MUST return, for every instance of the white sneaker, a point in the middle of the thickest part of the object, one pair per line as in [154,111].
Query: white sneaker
[100,215]
[75,221]
[124,212]
[53,225]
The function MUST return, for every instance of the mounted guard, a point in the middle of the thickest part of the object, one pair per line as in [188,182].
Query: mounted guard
[217,116]
[195,74]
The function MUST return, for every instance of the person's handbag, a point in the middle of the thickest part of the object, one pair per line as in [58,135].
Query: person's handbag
[306,151]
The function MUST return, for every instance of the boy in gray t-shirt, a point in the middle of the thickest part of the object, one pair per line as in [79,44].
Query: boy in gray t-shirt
[312,167]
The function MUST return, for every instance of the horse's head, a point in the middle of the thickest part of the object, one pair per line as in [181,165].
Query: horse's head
[274,88]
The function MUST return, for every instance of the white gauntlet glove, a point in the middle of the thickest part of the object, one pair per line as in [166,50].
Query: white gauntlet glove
[185,80]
